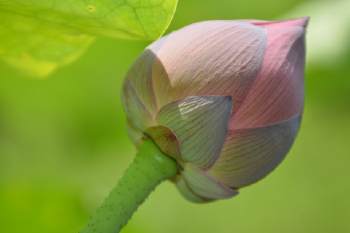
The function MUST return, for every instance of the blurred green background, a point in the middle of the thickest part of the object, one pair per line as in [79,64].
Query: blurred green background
[63,142]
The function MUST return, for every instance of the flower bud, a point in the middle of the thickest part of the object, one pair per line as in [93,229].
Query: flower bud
[223,98]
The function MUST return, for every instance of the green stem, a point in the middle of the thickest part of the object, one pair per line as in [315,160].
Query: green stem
[149,168]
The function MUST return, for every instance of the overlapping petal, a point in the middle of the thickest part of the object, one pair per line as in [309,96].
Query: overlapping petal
[212,58]
[200,125]
[278,92]
[146,79]
[197,186]
[250,154]
[140,78]
[187,192]
[139,117]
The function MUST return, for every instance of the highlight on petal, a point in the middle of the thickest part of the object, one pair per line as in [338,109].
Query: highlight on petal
[278,92]
[196,183]
[200,125]
[212,58]
[250,154]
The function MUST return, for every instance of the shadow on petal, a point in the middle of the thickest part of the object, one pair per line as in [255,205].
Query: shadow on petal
[250,154]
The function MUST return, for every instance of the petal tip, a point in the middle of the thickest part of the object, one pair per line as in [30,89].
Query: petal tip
[302,21]
[296,22]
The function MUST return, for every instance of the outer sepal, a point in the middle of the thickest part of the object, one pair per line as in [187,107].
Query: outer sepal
[196,185]
[200,126]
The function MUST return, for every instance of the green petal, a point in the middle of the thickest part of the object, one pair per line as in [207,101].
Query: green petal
[200,125]
[166,141]
[205,186]
[139,118]
[148,78]
[188,193]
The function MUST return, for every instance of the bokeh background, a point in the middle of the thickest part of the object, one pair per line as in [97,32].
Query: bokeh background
[63,141]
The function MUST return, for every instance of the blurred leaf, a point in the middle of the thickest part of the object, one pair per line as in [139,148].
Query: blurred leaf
[38,36]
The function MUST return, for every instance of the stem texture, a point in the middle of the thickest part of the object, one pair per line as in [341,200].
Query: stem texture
[149,168]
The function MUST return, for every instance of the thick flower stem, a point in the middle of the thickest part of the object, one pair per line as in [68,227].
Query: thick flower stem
[149,168]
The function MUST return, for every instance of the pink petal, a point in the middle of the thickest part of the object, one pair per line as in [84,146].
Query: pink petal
[200,125]
[278,92]
[212,58]
[298,22]
[250,154]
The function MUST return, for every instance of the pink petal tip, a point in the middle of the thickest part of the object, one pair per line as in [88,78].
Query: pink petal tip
[301,22]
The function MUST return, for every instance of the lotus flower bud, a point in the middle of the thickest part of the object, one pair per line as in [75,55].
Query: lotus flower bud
[223,98]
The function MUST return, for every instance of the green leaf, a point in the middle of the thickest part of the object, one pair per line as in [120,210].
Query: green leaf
[39,36]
